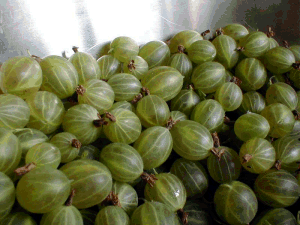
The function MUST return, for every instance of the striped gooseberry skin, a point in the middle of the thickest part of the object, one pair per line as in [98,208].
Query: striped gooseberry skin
[191,140]
[287,152]
[126,129]
[251,125]
[228,76]
[255,44]
[193,176]
[282,93]
[208,77]
[202,51]
[91,172]
[197,215]
[296,130]
[210,114]
[98,94]
[225,168]
[28,137]
[185,101]
[53,189]
[86,66]
[296,51]
[155,53]
[272,43]
[152,111]
[155,213]
[298,105]
[230,96]
[10,151]
[253,102]
[127,196]
[7,198]
[136,66]
[279,216]
[44,154]
[262,152]
[178,116]
[19,218]
[111,215]
[109,66]
[78,120]
[277,188]
[163,81]
[64,142]
[154,145]
[235,30]
[59,76]
[252,73]
[280,118]
[279,60]
[227,54]
[62,215]
[123,105]
[123,161]
[235,203]
[125,86]
[88,152]
[184,38]
[295,78]
[14,112]
[123,48]
[46,112]
[168,189]
[21,76]
[183,64]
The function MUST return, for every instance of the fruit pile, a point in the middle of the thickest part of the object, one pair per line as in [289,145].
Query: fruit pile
[194,130]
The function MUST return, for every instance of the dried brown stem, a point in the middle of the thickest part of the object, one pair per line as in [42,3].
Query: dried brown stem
[191,87]
[228,122]
[296,65]
[149,178]
[183,216]
[278,165]
[25,169]
[111,199]
[285,44]
[100,121]
[218,152]
[171,123]
[181,49]
[286,79]
[75,49]
[70,198]
[146,91]
[203,34]
[216,139]
[236,80]
[104,80]
[246,158]
[110,116]
[240,49]
[76,143]
[219,31]
[131,66]
[270,33]
[296,114]
[80,90]
[137,98]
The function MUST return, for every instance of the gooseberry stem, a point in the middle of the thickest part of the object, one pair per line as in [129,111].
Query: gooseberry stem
[216,139]
[246,158]
[270,33]
[278,165]
[75,49]
[25,169]
[111,199]
[110,116]
[70,198]
[99,122]
[171,123]
[80,90]
[76,143]
[203,34]
[131,66]
[137,98]
[149,178]
[183,216]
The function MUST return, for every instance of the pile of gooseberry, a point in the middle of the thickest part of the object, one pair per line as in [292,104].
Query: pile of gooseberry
[200,129]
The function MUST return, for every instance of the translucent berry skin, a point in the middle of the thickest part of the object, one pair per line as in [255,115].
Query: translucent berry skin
[19,218]
[184,38]
[54,189]
[279,216]
[7,197]
[109,66]
[280,118]
[230,96]
[123,48]
[21,76]
[168,189]
[152,111]
[111,215]
[253,102]
[202,51]
[235,203]
[139,69]
[251,125]
[183,64]
[59,76]
[235,30]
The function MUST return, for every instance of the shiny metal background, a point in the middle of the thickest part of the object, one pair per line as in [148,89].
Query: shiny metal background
[51,27]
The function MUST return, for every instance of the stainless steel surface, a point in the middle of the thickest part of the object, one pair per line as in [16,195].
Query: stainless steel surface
[51,27]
